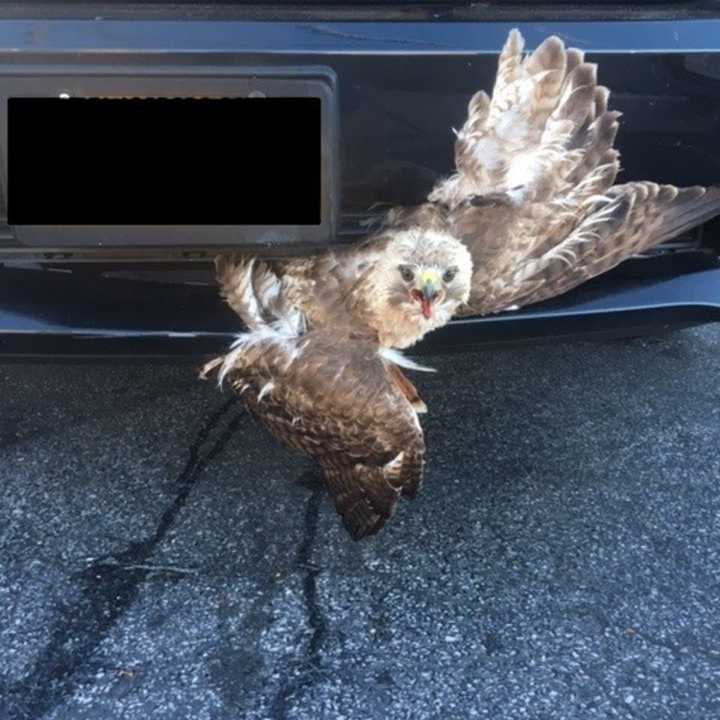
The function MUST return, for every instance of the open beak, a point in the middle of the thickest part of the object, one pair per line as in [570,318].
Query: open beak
[427,292]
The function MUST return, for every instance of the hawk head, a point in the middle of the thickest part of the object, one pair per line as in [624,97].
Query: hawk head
[416,284]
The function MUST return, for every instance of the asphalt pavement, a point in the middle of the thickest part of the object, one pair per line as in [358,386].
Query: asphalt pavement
[161,557]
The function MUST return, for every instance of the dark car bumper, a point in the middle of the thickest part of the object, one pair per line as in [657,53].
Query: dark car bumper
[58,315]
[404,75]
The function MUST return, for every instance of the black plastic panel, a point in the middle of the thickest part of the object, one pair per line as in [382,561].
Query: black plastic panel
[401,87]
[54,314]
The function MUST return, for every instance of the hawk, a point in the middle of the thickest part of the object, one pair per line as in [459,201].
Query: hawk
[531,211]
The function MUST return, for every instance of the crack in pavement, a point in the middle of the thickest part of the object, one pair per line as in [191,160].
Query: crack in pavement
[309,669]
[689,649]
[109,587]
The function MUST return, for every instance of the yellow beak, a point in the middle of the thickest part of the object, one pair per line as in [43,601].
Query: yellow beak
[428,291]
[429,284]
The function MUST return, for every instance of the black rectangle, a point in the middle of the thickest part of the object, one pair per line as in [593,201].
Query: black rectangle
[164,161]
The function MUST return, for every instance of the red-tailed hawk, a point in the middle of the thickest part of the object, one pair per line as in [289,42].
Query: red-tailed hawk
[531,211]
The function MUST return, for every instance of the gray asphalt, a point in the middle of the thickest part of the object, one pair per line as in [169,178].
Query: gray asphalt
[162,557]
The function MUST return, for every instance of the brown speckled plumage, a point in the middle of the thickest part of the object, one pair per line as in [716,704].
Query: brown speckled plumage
[531,211]
[338,401]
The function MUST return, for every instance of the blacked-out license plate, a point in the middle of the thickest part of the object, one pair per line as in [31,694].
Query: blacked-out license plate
[164,161]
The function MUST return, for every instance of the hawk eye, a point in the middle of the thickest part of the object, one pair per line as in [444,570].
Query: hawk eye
[449,275]
[407,274]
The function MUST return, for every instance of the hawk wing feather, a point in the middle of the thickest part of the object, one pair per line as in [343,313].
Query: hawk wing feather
[336,401]
[628,220]
[317,290]
[533,195]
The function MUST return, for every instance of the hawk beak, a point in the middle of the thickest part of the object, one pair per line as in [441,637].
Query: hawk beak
[428,292]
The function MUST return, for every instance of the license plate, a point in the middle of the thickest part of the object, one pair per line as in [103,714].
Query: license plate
[181,161]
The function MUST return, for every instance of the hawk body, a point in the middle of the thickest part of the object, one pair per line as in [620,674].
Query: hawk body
[531,211]
[358,288]
[340,402]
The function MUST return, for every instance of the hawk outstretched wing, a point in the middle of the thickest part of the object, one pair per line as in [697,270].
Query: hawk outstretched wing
[533,195]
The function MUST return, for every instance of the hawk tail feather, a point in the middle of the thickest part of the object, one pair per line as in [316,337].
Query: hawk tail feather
[362,497]
[366,496]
